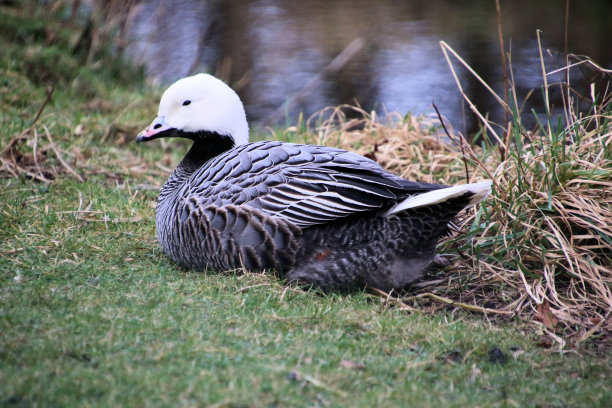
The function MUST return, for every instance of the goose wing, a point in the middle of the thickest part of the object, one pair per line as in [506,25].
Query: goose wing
[304,184]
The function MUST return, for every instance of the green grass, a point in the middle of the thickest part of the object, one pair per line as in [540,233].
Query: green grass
[92,313]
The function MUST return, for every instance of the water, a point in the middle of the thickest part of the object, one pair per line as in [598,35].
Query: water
[275,53]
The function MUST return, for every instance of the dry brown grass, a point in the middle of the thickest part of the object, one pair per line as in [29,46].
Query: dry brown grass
[541,246]
[414,147]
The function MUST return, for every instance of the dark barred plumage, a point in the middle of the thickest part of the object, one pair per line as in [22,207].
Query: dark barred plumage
[318,215]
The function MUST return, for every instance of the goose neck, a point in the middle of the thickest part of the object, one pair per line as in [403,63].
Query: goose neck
[206,146]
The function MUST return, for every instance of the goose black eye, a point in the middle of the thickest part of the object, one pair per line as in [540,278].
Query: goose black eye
[187,102]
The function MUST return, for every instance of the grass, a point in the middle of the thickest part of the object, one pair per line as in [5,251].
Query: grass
[92,313]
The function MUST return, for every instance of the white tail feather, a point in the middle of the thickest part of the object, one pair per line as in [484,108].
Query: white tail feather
[480,190]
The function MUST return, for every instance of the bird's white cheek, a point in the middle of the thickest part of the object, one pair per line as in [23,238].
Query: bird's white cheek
[178,120]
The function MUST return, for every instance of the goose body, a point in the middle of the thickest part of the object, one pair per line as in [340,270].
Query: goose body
[318,215]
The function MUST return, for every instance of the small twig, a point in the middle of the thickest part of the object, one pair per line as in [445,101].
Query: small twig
[40,111]
[13,142]
[35,153]
[544,77]
[592,330]
[8,166]
[322,385]
[566,30]
[445,49]
[282,297]
[586,60]
[388,299]
[556,338]
[504,152]
[502,49]
[11,251]
[292,318]
[467,174]
[22,136]
[464,144]
[80,203]
[466,306]
[60,158]
[250,287]
[11,167]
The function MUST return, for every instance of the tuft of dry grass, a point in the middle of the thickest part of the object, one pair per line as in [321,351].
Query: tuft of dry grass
[411,147]
[541,246]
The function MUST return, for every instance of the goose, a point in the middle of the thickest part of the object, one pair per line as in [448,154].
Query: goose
[320,216]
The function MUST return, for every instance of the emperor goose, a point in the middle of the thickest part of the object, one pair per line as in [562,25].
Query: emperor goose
[320,216]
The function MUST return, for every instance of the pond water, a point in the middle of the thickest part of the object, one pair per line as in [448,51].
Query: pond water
[286,57]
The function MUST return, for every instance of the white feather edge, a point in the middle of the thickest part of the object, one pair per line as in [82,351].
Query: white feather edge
[480,190]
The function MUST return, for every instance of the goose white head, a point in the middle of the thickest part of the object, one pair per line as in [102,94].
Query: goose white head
[199,103]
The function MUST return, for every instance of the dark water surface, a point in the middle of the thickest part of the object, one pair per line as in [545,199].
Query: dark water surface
[277,54]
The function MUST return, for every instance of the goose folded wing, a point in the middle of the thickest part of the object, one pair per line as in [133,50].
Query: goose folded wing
[316,196]
[306,185]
